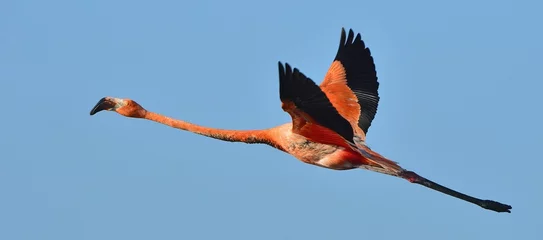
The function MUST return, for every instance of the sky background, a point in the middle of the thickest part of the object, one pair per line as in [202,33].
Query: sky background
[460,104]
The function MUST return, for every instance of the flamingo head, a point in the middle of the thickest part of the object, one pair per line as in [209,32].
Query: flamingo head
[125,107]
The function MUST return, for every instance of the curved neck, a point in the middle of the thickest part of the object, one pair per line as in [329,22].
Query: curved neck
[246,136]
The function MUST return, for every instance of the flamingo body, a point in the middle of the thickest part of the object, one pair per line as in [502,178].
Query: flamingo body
[315,153]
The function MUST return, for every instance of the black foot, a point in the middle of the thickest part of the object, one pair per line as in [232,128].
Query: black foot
[495,206]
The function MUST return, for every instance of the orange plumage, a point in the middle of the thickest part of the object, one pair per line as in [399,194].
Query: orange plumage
[329,122]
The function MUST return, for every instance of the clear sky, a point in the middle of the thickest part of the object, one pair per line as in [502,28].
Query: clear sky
[461,105]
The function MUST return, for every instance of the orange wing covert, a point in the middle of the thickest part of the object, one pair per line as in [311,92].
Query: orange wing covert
[351,82]
[313,116]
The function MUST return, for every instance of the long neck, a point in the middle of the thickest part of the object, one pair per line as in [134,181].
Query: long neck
[246,136]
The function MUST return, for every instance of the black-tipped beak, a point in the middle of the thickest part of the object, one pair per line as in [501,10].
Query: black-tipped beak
[103,104]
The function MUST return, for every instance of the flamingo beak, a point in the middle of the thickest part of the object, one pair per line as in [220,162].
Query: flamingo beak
[104,104]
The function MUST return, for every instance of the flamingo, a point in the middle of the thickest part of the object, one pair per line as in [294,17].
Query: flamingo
[329,122]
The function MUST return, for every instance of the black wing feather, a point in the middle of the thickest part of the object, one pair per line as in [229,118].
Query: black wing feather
[361,75]
[294,86]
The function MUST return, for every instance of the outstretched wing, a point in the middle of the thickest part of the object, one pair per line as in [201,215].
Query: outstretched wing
[351,82]
[313,116]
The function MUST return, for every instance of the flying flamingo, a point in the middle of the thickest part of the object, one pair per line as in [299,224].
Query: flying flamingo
[329,123]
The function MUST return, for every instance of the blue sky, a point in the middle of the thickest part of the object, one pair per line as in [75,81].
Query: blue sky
[461,105]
